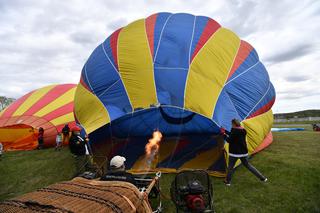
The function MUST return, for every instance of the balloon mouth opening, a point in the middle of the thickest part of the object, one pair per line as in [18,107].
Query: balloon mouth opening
[18,137]
[170,120]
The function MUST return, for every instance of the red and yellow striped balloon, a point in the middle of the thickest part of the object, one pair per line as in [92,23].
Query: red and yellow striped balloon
[50,107]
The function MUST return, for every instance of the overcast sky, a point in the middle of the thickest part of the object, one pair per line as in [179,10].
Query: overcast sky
[45,42]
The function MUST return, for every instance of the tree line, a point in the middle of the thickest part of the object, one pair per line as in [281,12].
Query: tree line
[5,101]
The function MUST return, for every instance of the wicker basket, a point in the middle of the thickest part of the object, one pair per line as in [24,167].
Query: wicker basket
[80,195]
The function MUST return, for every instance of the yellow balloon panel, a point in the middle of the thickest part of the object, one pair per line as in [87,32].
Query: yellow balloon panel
[257,129]
[57,103]
[136,66]
[34,97]
[209,70]
[89,110]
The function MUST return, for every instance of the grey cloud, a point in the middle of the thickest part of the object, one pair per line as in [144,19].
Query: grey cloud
[83,37]
[19,82]
[297,96]
[45,42]
[13,4]
[314,8]
[290,54]
[299,88]
[246,17]
[242,22]
[297,92]
[293,97]
[53,21]
[295,78]
[116,24]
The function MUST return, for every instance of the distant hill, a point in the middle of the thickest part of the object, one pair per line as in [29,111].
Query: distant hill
[299,114]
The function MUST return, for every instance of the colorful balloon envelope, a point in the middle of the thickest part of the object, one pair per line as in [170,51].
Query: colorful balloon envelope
[181,74]
[50,107]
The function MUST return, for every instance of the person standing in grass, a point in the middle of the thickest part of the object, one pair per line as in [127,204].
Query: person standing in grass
[238,150]
[66,134]
[78,147]
[1,150]
[58,141]
[40,138]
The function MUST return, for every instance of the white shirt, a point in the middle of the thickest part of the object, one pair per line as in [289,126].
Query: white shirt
[59,139]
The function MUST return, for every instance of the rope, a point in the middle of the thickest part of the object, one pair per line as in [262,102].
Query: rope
[177,140]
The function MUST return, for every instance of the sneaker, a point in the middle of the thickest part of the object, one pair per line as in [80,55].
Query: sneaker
[227,183]
[265,180]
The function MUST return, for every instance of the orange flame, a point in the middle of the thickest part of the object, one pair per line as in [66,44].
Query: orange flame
[152,147]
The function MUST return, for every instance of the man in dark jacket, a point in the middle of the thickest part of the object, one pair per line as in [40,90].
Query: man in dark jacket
[118,171]
[238,150]
[77,146]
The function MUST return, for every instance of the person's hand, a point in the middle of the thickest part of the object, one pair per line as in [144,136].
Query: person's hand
[222,131]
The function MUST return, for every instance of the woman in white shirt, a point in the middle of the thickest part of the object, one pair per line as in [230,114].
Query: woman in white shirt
[1,150]
[58,141]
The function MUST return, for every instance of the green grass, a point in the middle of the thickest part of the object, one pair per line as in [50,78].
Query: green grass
[291,163]
[25,171]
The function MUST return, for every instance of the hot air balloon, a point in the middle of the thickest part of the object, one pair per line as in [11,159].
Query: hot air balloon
[183,75]
[50,107]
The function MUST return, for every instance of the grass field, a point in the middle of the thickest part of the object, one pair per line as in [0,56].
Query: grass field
[25,171]
[291,163]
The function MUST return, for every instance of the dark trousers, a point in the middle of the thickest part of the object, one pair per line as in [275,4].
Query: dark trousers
[83,164]
[245,162]
[40,144]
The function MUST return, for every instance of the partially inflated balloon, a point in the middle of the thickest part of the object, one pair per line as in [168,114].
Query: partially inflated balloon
[50,107]
[178,73]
